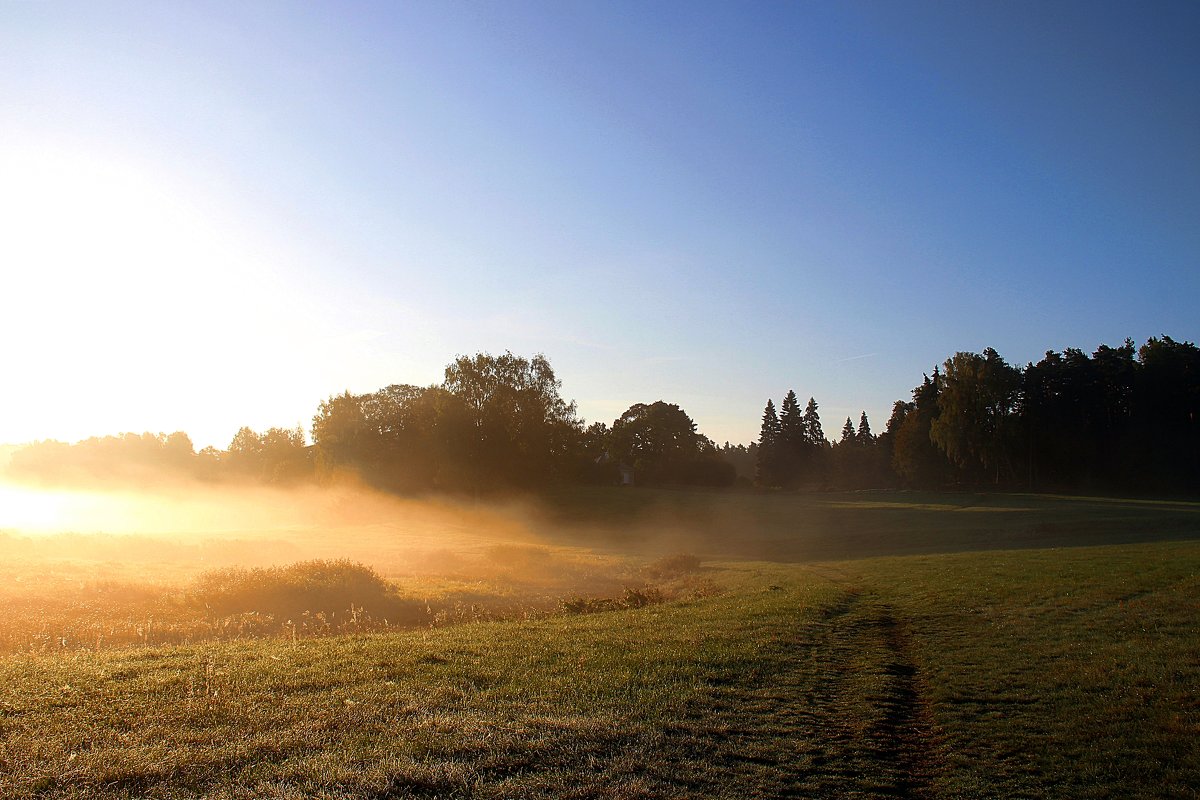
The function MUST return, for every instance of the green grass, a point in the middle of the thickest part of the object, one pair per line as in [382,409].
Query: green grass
[488,709]
[1057,673]
[1068,671]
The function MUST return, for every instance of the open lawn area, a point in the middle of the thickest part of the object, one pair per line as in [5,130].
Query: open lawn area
[893,645]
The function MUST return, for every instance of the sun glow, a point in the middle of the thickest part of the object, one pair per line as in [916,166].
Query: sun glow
[331,521]
[164,510]
[37,510]
[31,510]
[124,297]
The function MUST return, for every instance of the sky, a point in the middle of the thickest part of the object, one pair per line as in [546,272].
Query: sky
[219,214]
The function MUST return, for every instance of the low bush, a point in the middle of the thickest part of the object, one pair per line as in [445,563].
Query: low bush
[313,595]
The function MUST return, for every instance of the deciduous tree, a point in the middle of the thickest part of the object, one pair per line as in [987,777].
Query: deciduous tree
[660,442]
[975,426]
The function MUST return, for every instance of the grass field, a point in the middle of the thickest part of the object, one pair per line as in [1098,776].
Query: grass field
[863,645]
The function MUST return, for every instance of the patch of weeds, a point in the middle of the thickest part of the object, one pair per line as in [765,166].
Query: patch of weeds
[673,566]
[630,598]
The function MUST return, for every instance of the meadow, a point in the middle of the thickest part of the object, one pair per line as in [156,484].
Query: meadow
[875,644]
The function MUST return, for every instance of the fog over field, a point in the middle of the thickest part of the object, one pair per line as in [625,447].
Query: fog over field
[603,401]
[181,561]
[204,637]
[191,526]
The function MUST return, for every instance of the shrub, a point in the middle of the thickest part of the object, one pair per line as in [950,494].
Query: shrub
[311,594]
[639,598]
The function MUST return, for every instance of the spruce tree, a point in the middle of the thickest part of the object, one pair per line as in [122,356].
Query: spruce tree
[915,458]
[792,441]
[864,431]
[847,433]
[766,470]
[812,425]
[791,422]
[814,470]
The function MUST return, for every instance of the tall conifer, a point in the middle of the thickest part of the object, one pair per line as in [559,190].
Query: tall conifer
[864,431]
[769,440]
[812,425]
[793,446]
[791,422]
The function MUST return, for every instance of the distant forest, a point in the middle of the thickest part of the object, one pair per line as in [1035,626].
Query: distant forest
[1122,420]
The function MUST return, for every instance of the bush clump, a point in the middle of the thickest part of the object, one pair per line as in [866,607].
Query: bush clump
[329,594]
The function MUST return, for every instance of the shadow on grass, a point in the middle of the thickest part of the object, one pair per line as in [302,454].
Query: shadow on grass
[794,527]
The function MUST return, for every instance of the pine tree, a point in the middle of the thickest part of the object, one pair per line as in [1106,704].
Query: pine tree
[864,431]
[812,425]
[815,467]
[847,433]
[766,472]
[791,422]
[771,431]
[793,447]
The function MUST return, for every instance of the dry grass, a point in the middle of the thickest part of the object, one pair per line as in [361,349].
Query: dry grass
[156,596]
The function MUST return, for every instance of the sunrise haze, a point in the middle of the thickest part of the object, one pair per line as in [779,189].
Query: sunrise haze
[215,215]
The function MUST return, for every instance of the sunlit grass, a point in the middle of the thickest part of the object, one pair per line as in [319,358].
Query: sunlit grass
[1000,668]
[519,706]
[1061,673]
[72,592]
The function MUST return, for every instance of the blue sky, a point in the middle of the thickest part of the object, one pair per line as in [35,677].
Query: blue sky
[219,214]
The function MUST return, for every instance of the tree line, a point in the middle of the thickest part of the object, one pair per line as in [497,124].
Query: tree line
[494,424]
[1121,420]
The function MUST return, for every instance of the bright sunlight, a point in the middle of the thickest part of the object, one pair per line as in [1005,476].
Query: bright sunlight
[119,284]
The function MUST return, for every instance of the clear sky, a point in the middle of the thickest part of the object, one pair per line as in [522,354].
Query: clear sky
[218,214]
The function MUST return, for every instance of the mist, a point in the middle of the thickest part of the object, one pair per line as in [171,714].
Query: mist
[188,561]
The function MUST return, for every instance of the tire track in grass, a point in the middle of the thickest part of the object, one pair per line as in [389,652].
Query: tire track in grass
[905,728]
[876,644]
[834,709]
[870,732]
[868,700]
